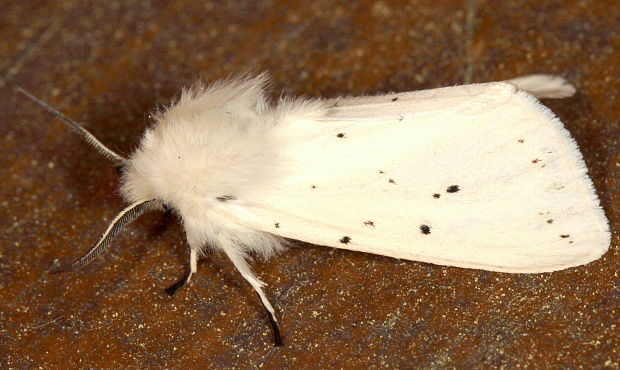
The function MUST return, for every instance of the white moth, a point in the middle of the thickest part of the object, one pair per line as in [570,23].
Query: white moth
[478,176]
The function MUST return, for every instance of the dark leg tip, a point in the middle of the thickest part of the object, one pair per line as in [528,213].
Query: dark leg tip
[176,286]
[277,337]
[278,342]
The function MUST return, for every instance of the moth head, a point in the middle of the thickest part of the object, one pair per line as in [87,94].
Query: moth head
[165,167]
[194,153]
[175,164]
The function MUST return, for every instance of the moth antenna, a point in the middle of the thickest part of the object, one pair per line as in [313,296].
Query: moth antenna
[75,127]
[124,218]
[238,260]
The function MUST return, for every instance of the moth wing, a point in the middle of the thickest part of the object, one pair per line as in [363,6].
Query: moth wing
[477,176]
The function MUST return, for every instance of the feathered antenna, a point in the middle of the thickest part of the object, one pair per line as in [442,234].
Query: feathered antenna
[124,218]
[75,127]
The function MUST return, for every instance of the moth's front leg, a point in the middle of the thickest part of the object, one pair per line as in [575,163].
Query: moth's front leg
[193,267]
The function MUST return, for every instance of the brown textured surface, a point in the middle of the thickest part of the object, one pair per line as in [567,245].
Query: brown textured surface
[107,63]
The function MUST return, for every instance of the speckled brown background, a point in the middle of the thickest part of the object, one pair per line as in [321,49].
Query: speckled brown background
[106,63]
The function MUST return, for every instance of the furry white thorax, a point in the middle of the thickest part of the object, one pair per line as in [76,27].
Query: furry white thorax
[217,142]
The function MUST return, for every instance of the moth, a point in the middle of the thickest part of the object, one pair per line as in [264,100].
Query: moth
[477,176]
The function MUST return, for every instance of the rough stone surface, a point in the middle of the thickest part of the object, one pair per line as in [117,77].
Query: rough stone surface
[106,63]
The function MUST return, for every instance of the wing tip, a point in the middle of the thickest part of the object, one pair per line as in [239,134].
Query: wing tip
[552,259]
[543,264]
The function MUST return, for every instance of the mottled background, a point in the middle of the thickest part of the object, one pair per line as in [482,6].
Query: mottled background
[107,63]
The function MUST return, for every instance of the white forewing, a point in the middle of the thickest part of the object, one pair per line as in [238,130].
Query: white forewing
[479,176]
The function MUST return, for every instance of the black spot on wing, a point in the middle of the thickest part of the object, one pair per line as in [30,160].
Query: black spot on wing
[369,223]
[395,99]
[535,160]
[340,135]
[453,189]
[564,236]
[550,221]
[313,186]
[391,181]
[380,171]
[436,195]
[277,225]
[521,141]
[225,198]
[345,240]
[425,229]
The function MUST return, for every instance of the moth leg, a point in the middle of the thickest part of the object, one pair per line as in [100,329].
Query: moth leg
[193,267]
[238,259]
